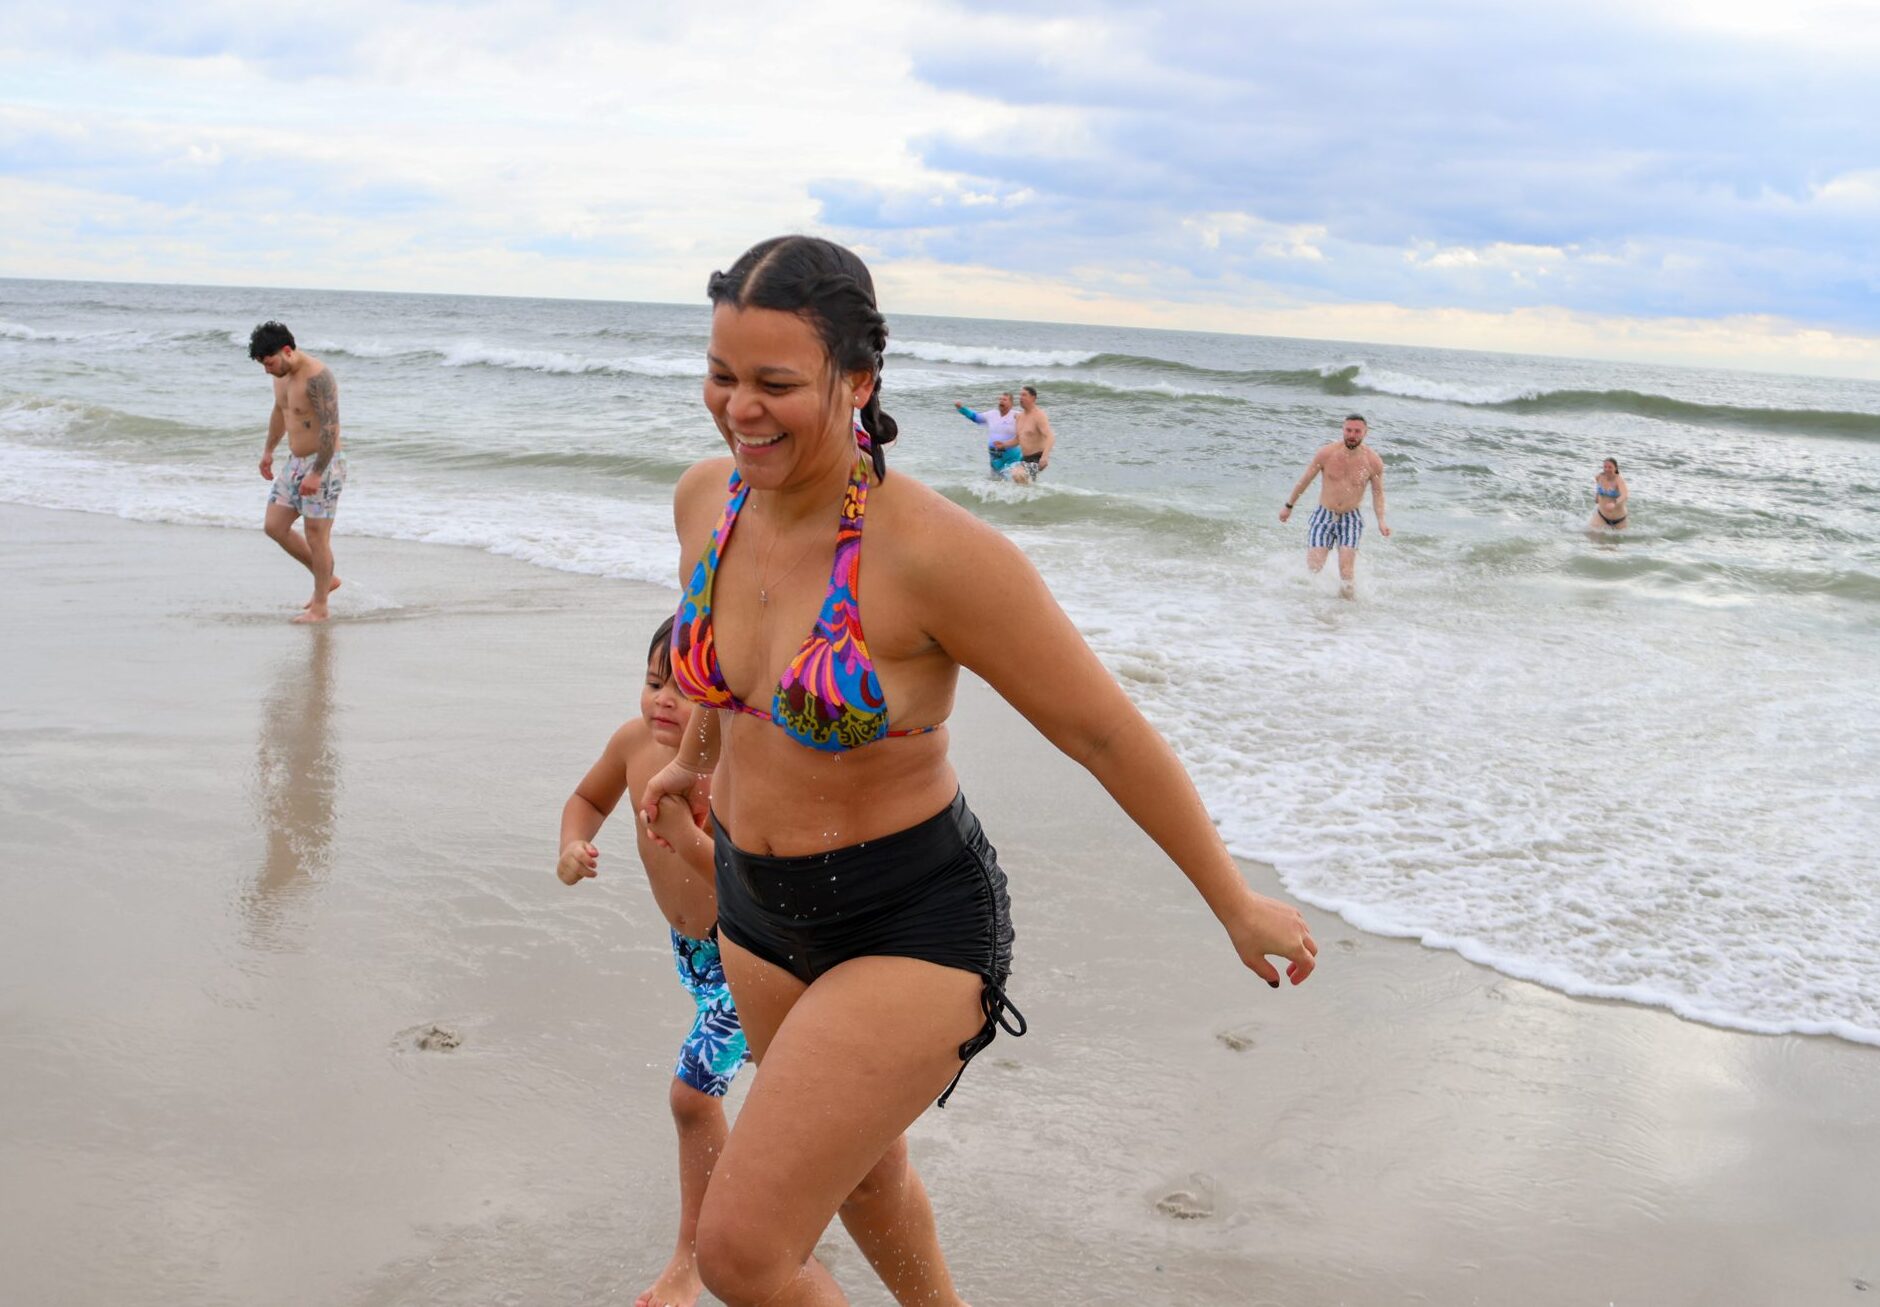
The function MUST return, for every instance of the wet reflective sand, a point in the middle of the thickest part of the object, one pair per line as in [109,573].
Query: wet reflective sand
[255,879]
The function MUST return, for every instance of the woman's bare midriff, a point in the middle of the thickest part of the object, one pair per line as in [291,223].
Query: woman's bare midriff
[779,799]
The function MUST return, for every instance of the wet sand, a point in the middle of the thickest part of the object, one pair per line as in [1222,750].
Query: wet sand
[293,1010]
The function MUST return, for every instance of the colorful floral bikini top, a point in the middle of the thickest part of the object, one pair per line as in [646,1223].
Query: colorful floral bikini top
[829,697]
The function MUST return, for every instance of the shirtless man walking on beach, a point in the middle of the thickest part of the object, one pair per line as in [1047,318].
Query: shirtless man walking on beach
[1035,438]
[1339,519]
[306,411]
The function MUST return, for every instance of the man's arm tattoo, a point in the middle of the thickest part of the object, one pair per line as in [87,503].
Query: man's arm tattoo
[323,398]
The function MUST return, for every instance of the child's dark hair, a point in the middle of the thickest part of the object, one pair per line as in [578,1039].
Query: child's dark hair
[830,286]
[659,653]
[269,339]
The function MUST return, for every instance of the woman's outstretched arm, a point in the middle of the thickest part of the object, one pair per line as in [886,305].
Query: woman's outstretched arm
[989,609]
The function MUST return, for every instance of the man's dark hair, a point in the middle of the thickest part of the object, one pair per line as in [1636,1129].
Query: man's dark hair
[1032,391]
[659,652]
[1356,417]
[827,285]
[269,339]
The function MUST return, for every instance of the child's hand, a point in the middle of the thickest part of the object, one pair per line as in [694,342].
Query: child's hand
[673,826]
[577,862]
[691,790]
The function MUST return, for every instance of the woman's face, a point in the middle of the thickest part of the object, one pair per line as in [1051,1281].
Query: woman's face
[767,386]
[1610,468]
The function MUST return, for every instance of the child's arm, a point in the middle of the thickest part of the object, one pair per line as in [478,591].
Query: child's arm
[676,829]
[590,805]
[685,776]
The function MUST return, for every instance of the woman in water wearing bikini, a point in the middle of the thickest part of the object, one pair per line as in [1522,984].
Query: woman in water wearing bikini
[1609,499]
[863,916]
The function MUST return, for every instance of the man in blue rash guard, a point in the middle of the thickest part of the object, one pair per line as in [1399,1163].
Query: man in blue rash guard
[1000,427]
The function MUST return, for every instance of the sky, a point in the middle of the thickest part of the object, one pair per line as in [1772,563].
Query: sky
[1658,179]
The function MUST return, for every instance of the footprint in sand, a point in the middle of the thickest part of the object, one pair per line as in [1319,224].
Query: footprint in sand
[1240,1038]
[1347,946]
[1191,1200]
[430,1038]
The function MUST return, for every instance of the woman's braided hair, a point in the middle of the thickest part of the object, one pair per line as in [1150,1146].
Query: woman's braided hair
[827,284]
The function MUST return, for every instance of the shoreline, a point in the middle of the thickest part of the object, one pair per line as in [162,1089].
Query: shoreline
[1554,975]
[213,978]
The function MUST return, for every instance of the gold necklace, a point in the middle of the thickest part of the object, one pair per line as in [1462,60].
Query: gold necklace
[764,582]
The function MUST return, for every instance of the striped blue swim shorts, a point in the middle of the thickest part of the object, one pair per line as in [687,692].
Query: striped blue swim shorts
[1328,528]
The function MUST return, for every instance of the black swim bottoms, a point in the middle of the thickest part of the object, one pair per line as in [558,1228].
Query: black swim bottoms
[933,891]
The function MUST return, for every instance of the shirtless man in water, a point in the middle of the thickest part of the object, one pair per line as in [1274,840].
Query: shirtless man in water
[1338,520]
[1035,438]
[306,411]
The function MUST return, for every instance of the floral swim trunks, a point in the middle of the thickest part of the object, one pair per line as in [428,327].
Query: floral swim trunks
[287,481]
[714,1050]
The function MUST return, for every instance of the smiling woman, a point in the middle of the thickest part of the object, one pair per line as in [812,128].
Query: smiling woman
[865,922]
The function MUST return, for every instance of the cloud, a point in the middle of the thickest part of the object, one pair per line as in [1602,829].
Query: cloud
[441,142]
[925,208]
[1700,168]
[1744,340]
[1454,161]
[1217,231]
[183,168]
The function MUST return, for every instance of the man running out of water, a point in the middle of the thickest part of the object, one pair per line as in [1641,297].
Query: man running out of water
[1034,438]
[1339,520]
[306,412]
[1001,434]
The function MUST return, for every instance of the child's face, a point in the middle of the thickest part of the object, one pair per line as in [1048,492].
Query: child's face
[663,707]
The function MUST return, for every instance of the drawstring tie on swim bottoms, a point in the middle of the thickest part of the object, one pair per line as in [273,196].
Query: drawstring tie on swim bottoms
[996,1006]
[701,978]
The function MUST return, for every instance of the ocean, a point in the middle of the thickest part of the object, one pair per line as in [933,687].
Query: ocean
[1641,768]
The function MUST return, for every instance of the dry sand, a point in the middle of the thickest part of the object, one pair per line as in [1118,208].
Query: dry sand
[293,1010]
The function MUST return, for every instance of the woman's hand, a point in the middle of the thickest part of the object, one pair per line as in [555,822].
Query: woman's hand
[675,824]
[676,781]
[1261,927]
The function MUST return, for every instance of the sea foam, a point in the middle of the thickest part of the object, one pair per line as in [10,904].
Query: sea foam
[990,356]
